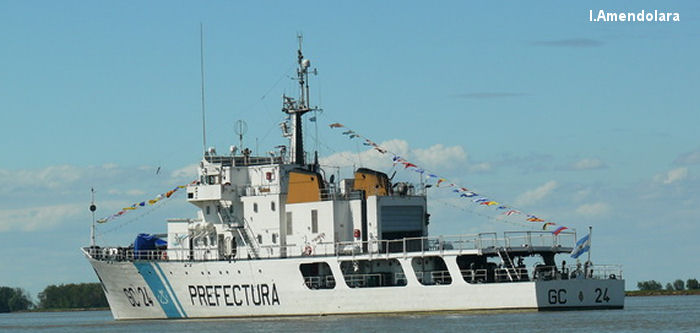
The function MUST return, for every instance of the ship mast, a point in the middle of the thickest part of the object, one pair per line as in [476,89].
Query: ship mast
[297,108]
[93,208]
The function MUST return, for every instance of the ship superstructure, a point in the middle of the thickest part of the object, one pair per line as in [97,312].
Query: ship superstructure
[276,235]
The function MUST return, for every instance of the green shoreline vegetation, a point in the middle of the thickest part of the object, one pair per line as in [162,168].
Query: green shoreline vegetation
[655,288]
[64,297]
[633,293]
[91,297]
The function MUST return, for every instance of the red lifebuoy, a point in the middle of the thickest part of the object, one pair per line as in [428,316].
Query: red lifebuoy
[357,233]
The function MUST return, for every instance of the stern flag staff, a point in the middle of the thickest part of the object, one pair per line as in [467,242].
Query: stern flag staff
[582,246]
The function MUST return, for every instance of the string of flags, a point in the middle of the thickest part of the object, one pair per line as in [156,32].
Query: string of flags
[135,206]
[463,192]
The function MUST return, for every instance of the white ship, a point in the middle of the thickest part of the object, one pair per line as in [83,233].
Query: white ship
[275,237]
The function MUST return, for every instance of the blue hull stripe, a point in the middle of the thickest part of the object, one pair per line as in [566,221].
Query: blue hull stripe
[172,291]
[158,289]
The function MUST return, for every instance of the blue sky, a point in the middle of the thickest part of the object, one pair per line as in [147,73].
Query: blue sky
[528,102]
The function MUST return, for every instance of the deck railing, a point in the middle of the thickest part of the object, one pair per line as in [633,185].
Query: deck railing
[371,248]
[586,271]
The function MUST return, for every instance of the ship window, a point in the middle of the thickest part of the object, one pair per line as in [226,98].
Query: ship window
[314,221]
[477,269]
[259,239]
[317,275]
[374,273]
[272,206]
[255,207]
[431,271]
[289,223]
[208,211]
[274,238]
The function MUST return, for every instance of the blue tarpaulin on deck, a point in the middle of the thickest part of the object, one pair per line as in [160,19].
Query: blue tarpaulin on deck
[147,244]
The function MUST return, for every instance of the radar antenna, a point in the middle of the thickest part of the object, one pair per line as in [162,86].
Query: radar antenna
[241,128]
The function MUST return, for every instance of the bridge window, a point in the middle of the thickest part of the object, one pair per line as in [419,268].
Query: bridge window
[314,221]
[212,180]
[272,206]
[255,207]
[317,275]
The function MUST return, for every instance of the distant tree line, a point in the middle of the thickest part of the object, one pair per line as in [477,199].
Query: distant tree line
[70,296]
[64,296]
[14,299]
[691,284]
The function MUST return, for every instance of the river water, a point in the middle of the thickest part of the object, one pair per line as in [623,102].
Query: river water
[641,314]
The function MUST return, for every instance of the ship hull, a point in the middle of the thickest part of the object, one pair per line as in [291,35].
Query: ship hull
[275,287]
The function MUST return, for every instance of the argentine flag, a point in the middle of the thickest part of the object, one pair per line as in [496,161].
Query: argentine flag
[583,245]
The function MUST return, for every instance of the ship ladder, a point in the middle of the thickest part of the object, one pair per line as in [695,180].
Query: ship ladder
[252,241]
[247,241]
[508,265]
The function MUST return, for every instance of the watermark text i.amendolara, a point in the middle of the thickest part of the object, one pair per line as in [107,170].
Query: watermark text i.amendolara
[640,16]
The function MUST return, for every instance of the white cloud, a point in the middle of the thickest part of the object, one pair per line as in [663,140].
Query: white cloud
[588,164]
[49,177]
[593,209]
[135,192]
[47,198]
[434,158]
[187,173]
[480,167]
[368,158]
[35,218]
[439,156]
[580,195]
[692,157]
[672,176]
[535,195]
[131,192]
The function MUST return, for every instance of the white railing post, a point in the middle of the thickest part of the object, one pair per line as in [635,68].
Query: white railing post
[404,247]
